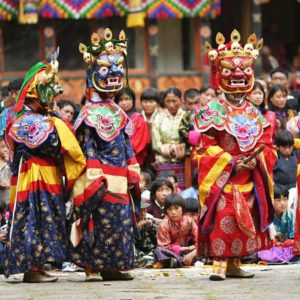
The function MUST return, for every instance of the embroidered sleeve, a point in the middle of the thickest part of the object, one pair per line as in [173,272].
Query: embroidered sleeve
[163,236]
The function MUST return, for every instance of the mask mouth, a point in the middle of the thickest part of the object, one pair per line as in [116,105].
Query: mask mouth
[238,83]
[112,81]
[106,128]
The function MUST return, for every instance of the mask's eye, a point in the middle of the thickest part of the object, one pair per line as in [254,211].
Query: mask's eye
[248,71]
[121,68]
[103,70]
[26,127]
[226,72]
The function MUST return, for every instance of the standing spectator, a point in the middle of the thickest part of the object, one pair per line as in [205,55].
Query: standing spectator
[5,173]
[187,134]
[207,93]
[7,104]
[280,76]
[66,110]
[140,138]
[150,104]
[277,99]
[191,98]
[151,109]
[169,152]
[258,98]
[176,236]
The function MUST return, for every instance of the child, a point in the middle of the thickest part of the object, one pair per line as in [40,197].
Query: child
[283,222]
[3,233]
[285,170]
[146,243]
[171,176]
[4,172]
[192,208]
[192,192]
[176,236]
[145,181]
[160,189]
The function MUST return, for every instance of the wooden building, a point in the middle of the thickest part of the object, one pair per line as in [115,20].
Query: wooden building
[161,35]
[166,37]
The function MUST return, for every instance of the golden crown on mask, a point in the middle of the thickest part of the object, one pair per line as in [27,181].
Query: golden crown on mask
[234,48]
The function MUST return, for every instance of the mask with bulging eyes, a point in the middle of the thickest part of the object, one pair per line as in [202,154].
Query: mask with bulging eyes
[236,74]
[107,72]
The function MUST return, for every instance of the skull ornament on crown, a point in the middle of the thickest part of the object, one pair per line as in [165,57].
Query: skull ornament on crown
[105,59]
[232,64]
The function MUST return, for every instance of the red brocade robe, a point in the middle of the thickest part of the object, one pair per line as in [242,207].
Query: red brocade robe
[236,207]
[140,138]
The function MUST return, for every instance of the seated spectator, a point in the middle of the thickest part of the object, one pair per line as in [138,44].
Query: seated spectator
[285,170]
[171,176]
[284,220]
[3,232]
[146,243]
[160,189]
[176,236]
[191,208]
[145,181]
[192,192]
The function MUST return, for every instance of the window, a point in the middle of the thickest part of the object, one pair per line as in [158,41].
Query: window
[176,45]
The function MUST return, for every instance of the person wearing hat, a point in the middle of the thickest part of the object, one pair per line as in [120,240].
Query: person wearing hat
[43,150]
[146,243]
[107,196]
[235,167]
